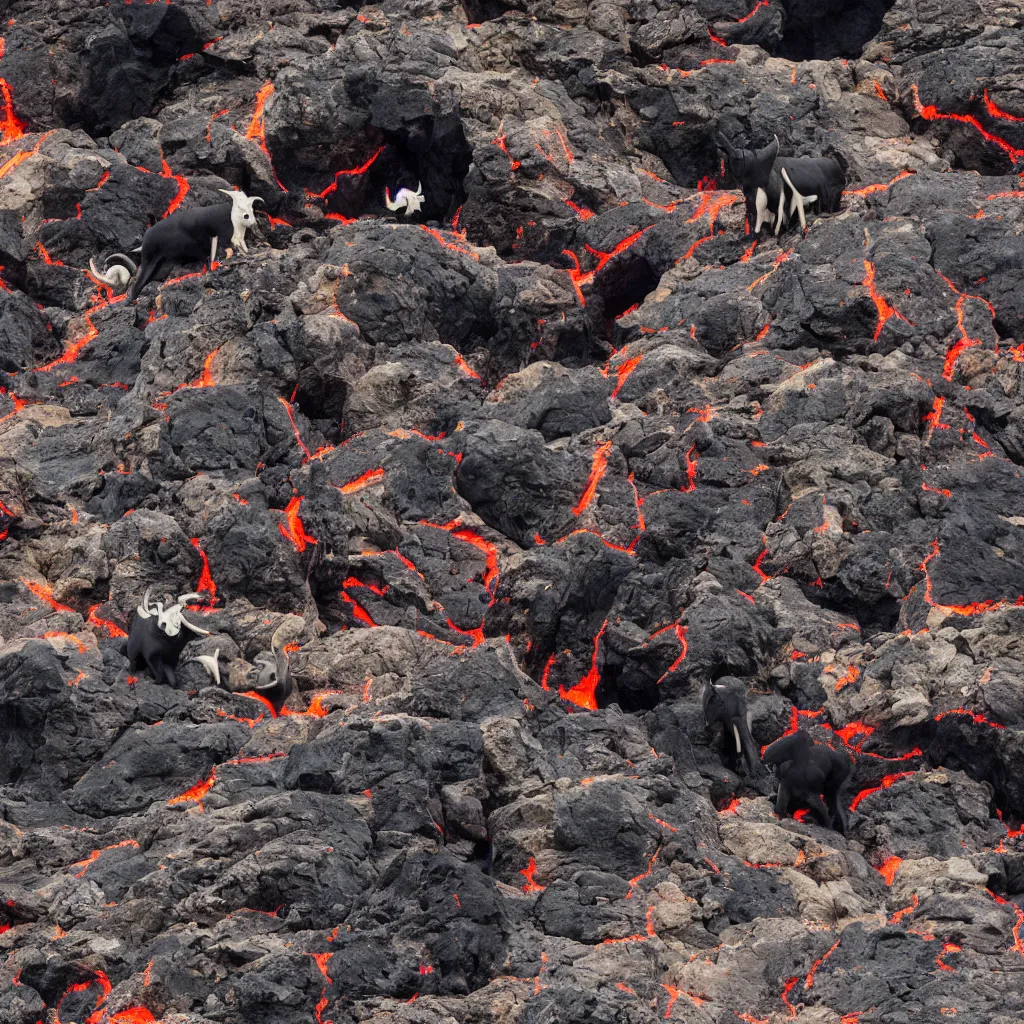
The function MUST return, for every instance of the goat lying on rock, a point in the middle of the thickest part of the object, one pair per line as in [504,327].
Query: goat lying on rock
[191,236]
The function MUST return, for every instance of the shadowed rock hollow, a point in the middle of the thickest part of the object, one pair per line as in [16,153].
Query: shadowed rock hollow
[509,478]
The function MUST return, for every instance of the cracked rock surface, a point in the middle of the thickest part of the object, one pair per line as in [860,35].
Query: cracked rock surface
[509,478]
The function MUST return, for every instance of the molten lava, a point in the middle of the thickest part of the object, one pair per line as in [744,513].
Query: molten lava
[45,593]
[528,872]
[257,127]
[974,608]
[932,113]
[584,693]
[886,311]
[367,479]
[597,471]
[347,172]
[205,585]
[887,781]
[196,793]
[95,855]
[11,126]
[295,532]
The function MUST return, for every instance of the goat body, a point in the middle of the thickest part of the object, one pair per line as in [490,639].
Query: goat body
[192,236]
[775,188]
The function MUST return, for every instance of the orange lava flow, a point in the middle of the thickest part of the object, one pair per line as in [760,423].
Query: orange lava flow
[206,377]
[257,127]
[870,189]
[75,348]
[643,875]
[295,531]
[500,142]
[133,1015]
[579,278]
[99,978]
[809,980]
[932,113]
[886,311]
[998,112]
[490,553]
[95,855]
[370,477]
[887,781]
[947,947]
[528,872]
[298,436]
[112,629]
[684,648]
[45,593]
[791,1010]
[597,471]
[205,584]
[200,789]
[899,915]
[623,371]
[650,933]
[434,232]
[974,716]
[357,609]
[584,693]
[348,172]
[322,960]
[465,368]
[11,127]
[11,162]
[183,187]
[975,608]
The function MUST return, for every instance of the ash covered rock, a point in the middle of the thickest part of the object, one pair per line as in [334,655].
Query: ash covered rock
[508,479]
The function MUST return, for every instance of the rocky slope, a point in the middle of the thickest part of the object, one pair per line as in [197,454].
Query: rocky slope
[514,476]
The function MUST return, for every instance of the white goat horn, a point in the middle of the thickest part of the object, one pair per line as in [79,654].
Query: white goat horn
[195,629]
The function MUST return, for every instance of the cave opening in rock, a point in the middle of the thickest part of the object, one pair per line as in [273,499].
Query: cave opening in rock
[478,11]
[624,284]
[431,152]
[817,30]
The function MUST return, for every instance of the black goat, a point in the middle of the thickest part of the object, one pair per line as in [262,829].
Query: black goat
[775,188]
[190,236]
[725,702]
[807,771]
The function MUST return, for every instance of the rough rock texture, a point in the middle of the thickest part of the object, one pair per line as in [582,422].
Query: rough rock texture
[515,474]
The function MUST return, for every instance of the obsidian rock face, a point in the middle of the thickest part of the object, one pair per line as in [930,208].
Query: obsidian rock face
[508,478]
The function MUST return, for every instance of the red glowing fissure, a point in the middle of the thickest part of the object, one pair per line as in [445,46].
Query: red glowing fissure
[975,607]
[886,311]
[530,885]
[346,173]
[295,531]
[584,693]
[932,113]
[597,471]
[257,127]
[196,793]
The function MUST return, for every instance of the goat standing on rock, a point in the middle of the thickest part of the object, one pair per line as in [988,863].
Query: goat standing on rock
[775,188]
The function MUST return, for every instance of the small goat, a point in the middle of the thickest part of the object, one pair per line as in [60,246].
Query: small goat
[116,276]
